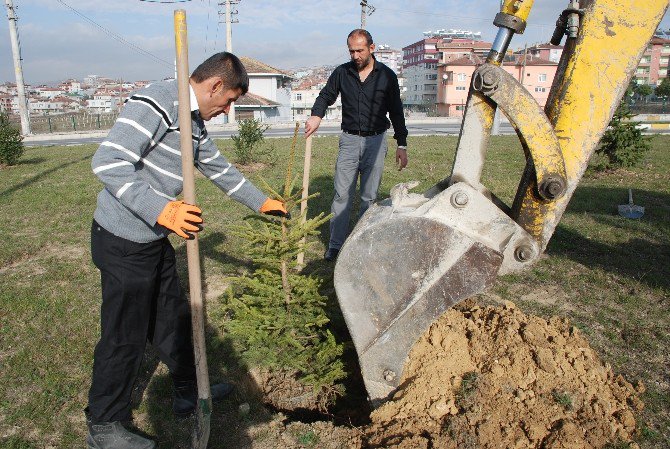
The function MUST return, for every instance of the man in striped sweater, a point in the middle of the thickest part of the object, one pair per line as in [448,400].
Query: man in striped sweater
[140,166]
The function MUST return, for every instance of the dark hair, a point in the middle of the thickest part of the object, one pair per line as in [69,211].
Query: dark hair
[226,66]
[361,32]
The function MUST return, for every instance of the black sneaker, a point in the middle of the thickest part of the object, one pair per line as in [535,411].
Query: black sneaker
[113,435]
[331,254]
[186,396]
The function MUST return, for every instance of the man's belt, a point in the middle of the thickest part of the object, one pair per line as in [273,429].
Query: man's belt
[363,133]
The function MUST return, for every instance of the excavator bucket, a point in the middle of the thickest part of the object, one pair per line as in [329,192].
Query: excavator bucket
[407,261]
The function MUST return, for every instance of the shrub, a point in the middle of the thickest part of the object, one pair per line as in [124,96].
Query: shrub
[11,141]
[250,137]
[623,144]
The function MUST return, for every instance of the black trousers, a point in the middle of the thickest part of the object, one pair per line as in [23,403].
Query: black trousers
[142,301]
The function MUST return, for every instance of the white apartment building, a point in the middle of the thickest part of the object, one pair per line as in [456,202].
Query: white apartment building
[390,57]
[38,106]
[302,101]
[50,92]
[71,86]
[103,101]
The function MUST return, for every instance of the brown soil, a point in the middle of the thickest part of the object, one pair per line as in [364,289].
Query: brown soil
[283,392]
[495,377]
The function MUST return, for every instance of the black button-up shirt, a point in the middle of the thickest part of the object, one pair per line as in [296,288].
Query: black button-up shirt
[365,105]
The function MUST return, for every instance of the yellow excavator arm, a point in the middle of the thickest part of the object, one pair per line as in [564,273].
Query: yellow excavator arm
[413,256]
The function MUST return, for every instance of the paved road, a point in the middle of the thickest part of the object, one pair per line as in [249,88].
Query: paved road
[415,129]
[422,129]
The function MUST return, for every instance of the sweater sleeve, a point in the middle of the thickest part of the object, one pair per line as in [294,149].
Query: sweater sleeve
[143,121]
[216,167]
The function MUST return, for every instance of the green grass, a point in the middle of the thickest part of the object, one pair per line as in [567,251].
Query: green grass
[563,399]
[608,275]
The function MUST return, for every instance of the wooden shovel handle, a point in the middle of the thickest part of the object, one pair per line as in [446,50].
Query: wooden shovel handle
[192,248]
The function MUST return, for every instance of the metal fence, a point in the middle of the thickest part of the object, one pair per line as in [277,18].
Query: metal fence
[43,124]
[650,108]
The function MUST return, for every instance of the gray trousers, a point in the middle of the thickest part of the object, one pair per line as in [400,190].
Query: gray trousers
[356,155]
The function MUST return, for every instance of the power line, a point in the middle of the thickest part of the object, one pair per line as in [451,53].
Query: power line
[209,6]
[117,37]
[424,13]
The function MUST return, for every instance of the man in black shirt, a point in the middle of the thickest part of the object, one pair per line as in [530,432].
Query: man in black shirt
[369,91]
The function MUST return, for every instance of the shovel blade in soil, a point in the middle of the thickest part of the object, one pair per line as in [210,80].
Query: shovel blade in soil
[201,429]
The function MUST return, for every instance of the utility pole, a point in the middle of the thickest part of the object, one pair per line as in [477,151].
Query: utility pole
[523,69]
[366,10]
[18,71]
[229,41]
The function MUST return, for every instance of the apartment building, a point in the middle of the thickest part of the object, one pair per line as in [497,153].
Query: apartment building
[50,92]
[389,57]
[42,106]
[419,70]
[6,103]
[104,101]
[302,100]
[653,65]
[71,86]
[421,59]
[536,74]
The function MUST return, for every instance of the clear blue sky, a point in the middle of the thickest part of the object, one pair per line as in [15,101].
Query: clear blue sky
[57,43]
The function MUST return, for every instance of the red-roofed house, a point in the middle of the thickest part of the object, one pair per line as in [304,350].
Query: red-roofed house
[544,51]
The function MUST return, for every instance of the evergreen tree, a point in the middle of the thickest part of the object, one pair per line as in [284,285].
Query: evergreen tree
[277,313]
[623,144]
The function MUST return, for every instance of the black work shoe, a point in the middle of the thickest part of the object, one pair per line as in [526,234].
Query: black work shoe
[112,435]
[331,254]
[186,396]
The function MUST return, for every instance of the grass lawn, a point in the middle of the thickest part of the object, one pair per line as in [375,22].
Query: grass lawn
[610,276]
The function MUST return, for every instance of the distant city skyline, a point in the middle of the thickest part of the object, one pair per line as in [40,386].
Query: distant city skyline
[133,39]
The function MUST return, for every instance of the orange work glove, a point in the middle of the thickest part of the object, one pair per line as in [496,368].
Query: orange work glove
[180,217]
[274,207]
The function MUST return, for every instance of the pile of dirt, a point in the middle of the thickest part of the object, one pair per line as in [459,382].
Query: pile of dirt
[495,377]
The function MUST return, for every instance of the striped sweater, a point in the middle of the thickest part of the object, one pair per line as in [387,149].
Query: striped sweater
[140,165]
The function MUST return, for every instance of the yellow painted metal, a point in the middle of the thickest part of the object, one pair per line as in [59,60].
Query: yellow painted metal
[179,30]
[612,38]
[527,117]
[518,8]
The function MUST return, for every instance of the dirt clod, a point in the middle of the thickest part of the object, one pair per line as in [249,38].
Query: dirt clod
[494,377]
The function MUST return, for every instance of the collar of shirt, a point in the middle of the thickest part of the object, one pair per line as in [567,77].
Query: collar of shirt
[194,100]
